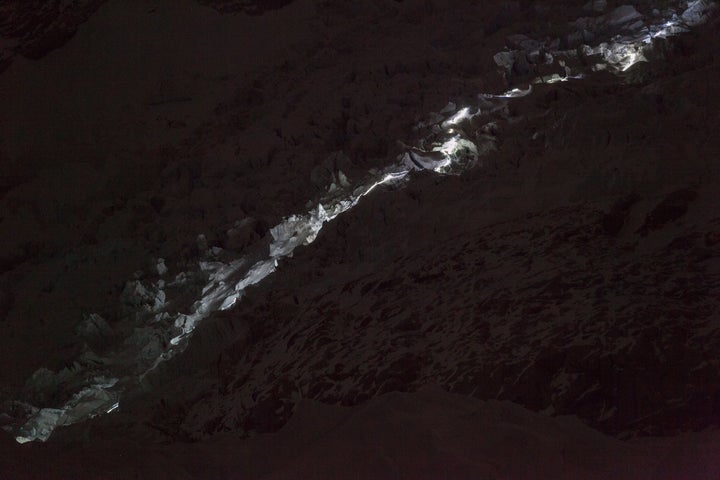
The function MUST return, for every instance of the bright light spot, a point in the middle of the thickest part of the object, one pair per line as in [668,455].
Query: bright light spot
[258,272]
[229,302]
[462,114]
[516,92]
[554,78]
[391,177]
[450,147]
[115,406]
[455,150]
[620,56]
[632,59]
[442,166]
[388,178]
[668,29]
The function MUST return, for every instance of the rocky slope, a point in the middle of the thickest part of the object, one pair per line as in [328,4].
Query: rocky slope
[573,271]
[35,28]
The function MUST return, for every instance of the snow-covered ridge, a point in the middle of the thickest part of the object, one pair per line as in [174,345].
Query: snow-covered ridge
[454,139]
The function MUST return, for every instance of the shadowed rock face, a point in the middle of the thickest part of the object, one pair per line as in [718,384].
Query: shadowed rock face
[574,271]
[33,28]
[250,7]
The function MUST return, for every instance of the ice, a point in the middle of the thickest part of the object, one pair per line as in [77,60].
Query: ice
[161,268]
[504,59]
[344,183]
[148,299]
[41,425]
[296,230]
[419,160]
[257,273]
[87,403]
[696,13]
[621,55]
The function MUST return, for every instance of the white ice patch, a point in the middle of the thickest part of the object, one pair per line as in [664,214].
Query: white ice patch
[87,403]
[622,56]
[697,11]
[516,93]
[462,115]
[630,49]
[222,293]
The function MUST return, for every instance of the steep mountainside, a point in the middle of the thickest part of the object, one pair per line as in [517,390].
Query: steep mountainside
[506,221]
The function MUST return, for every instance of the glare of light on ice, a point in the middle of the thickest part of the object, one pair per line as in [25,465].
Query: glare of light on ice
[460,116]
[450,147]
[516,92]
[631,59]
[390,177]
[292,232]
